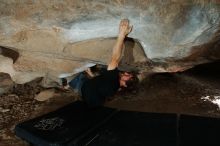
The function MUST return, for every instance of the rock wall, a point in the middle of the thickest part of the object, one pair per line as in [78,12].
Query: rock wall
[55,37]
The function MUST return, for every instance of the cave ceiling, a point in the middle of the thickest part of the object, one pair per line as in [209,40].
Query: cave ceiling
[51,38]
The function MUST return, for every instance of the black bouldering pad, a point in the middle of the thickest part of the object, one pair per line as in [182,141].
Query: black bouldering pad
[78,125]
[199,131]
[63,126]
[128,128]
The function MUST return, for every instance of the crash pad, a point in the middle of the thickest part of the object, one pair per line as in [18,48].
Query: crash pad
[197,130]
[128,128]
[76,124]
[63,126]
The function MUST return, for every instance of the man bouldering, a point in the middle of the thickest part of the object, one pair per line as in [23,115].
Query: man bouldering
[96,90]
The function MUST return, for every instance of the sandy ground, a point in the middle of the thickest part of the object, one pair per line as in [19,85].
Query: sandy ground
[166,93]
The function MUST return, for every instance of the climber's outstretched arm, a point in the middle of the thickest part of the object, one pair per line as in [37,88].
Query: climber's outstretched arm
[124,30]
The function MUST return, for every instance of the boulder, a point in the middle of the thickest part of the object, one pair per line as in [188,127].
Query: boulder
[65,37]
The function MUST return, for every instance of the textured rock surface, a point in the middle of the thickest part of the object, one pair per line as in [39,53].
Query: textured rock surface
[6,83]
[55,37]
[45,95]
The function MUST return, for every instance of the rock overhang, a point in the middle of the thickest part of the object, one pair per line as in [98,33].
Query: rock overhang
[167,30]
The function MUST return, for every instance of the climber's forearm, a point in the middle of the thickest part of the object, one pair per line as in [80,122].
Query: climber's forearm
[118,48]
